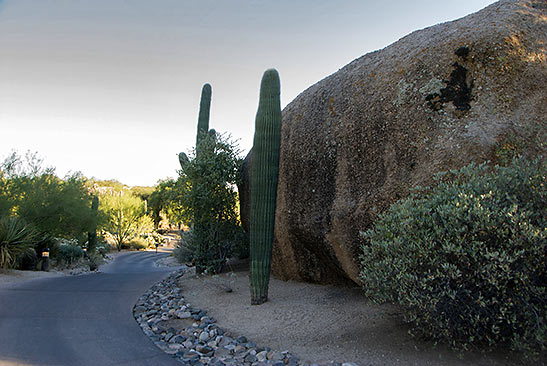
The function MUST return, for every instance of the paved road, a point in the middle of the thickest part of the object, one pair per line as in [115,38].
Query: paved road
[81,320]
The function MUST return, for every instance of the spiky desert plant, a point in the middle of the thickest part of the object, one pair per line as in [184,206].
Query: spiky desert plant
[264,174]
[92,235]
[16,237]
[203,129]
[183,160]
[204,109]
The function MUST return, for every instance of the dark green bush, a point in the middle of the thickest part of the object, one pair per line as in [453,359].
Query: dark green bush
[103,249]
[94,261]
[182,252]
[466,258]
[209,202]
[69,253]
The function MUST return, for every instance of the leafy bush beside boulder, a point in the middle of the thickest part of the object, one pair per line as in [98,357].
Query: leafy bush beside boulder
[209,202]
[466,258]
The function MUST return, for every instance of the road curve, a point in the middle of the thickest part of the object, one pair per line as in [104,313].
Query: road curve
[81,320]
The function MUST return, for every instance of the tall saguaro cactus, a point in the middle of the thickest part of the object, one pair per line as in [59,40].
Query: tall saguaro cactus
[92,235]
[264,174]
[204,109]
[203,127]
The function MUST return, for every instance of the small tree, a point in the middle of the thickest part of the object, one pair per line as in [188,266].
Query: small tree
[209,200]
[164,202]
[58,207]
[125,216]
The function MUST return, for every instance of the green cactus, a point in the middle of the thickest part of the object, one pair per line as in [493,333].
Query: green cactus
[183,160]
[203,128]
[203,117]
[92,235]
[264,174]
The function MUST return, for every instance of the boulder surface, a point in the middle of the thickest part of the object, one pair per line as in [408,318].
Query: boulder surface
[474,89]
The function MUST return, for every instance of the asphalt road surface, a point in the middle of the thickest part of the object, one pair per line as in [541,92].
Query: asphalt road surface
[81,320]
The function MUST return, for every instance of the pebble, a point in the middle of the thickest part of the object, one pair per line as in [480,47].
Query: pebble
[204,342]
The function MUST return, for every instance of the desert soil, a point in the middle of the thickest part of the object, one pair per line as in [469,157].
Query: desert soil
[321,323]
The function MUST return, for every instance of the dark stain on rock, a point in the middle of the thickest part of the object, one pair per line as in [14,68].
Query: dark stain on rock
[457,91]
[462,52]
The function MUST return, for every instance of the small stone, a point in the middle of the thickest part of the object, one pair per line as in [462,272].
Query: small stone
[188,344]
[205,350]
[204,336]
[262,356]
[178,339]
[241,339]
[216,362]
[183,314]
[140,309]
[275,356]
[190,356]
[239,349]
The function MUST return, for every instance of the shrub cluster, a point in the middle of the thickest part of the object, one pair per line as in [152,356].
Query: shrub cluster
[466,258]
[138,244]
[210,204]
[69,252]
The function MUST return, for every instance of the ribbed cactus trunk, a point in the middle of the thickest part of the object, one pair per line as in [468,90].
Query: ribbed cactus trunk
[204,111]
[264,174]
[92,235]
[203,127]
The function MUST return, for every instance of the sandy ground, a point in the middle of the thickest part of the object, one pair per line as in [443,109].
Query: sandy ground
[11,276]
[321,323]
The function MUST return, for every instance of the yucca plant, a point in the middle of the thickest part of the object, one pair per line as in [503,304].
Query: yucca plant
[16,237]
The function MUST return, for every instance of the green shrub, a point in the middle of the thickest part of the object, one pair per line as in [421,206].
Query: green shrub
[94,260]
[103,249]
[138,244]
[183,255]
[466,258]
[209,202]
[69,252]
[16,238]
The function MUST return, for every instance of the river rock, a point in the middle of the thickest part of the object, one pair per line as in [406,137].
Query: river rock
[437,99]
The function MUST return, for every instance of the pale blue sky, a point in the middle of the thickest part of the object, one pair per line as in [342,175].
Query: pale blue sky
[111,87]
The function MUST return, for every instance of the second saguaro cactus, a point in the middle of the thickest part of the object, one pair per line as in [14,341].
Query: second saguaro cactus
[203,128]
[264,175]
[92,235]
[204,110]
